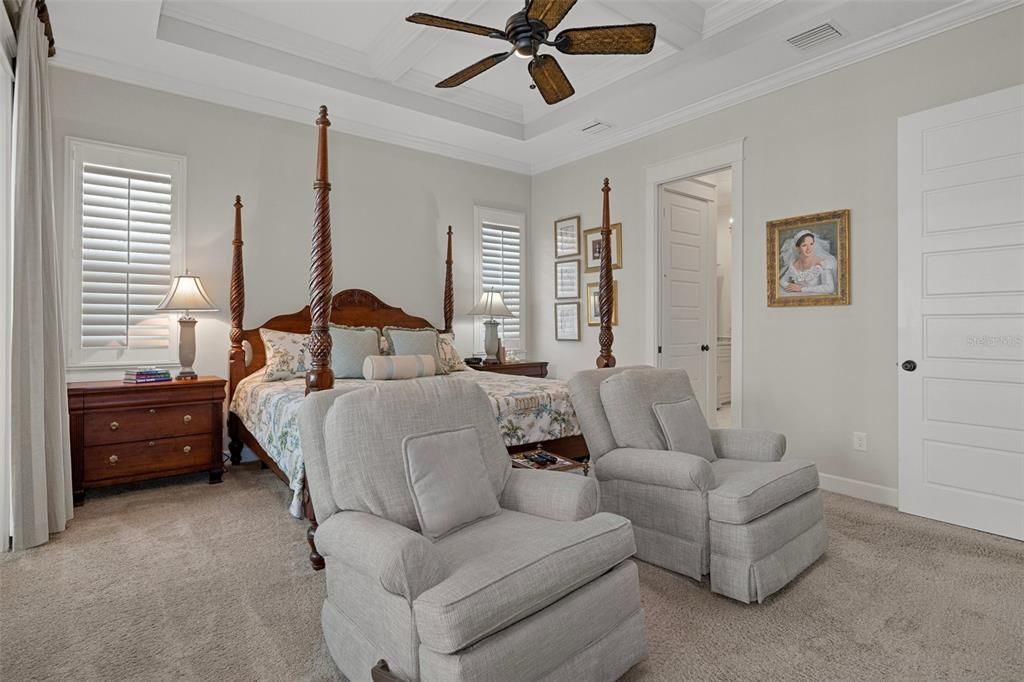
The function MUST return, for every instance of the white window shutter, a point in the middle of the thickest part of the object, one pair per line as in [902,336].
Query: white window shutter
[501,267]
[126,257]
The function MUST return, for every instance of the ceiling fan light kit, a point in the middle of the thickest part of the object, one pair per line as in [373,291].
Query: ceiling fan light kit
[528,29]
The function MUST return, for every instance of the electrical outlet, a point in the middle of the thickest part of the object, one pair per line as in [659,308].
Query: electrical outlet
[860,441]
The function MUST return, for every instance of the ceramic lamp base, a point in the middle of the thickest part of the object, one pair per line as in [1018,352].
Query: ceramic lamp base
[186,348]
[491,340]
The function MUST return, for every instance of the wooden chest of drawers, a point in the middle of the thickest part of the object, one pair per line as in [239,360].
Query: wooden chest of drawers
[122,433]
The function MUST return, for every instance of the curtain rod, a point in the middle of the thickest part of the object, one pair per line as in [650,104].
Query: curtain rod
[44,16]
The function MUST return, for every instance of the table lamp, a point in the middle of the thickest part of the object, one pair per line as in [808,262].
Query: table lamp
[492,305]
[186,294]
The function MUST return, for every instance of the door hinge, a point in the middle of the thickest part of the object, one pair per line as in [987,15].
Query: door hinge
[659,349]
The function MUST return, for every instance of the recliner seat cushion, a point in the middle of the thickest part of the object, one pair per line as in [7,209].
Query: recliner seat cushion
[747,490]
[628,399]
[512,565]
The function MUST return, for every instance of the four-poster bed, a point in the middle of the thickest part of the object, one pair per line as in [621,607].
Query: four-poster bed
[532,412]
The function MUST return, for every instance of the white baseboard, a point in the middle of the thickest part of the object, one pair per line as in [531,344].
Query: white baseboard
[872,492]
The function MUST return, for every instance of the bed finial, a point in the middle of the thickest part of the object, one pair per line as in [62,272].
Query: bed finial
[319,376]
[605,290]
[449,293]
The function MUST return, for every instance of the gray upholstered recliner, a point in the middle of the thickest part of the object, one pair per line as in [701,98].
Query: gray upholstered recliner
[751,521]
[544,589]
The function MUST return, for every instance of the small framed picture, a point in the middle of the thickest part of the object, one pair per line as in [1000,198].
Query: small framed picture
[567,321]
[594,304]
[567,279]
[592,247]
[567,237]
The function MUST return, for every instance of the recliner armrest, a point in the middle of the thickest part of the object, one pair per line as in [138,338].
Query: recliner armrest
[754,445]
[556,495]
[403,561]
[667,468]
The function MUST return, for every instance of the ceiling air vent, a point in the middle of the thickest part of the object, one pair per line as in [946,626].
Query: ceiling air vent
[814,37]
[596,127]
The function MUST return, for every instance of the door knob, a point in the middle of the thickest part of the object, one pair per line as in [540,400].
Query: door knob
[909,365]
[705,347]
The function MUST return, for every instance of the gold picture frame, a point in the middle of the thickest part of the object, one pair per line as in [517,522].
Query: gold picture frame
[592,248]
[594,304]
[567,237]
[809,260]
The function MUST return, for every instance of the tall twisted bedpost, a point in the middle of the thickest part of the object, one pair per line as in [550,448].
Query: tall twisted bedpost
[449,294]
[605,290]
[236,356]
[319,376]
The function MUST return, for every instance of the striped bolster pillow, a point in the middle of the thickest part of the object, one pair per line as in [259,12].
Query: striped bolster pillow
[384,367]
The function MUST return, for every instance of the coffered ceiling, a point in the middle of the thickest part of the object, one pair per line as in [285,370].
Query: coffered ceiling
[376,72]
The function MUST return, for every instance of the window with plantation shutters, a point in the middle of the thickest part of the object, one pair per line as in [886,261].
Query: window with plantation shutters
[125,213]
[126,257]
[501,268]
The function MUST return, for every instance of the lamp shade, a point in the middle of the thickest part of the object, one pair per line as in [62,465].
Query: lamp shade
[186,293]
[492,305]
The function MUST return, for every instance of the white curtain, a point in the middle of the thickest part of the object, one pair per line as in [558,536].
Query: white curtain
[40,449]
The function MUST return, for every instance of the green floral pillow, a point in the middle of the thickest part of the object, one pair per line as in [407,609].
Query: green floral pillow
[287,354]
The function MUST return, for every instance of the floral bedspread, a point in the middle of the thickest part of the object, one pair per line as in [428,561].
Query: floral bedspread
[528,410]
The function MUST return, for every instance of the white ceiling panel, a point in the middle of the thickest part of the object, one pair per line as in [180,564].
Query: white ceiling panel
[377,72]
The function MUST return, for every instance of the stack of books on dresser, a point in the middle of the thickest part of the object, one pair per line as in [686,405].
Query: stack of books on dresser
[146,375]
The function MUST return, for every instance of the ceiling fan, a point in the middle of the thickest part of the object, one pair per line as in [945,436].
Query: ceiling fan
[528,29]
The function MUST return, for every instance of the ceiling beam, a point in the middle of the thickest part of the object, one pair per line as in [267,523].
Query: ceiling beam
[679,23]
[409,44]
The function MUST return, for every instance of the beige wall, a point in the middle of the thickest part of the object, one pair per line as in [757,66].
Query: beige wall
[390,205]
[816,374]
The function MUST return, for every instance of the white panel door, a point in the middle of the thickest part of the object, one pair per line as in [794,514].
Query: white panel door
[688,314]
[961,313]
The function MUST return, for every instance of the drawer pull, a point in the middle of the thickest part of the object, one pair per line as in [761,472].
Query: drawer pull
[188,419]
[152,443]
[113,460]
[114,426]
[152,410]
[187,449]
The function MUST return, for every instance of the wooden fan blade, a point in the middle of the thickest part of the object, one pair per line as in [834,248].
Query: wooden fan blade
[550,79]
[473,71]
[549,12]
[627,39]
[454,25]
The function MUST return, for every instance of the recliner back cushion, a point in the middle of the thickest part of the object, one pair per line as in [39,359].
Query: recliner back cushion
[364,431]
[684,427]
[629,398]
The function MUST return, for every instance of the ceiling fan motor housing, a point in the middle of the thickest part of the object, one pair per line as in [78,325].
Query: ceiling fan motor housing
[525,34]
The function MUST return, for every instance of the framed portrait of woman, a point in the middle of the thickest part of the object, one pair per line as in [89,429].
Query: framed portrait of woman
[809,260]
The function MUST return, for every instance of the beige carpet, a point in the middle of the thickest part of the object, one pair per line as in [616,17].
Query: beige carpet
[189,581]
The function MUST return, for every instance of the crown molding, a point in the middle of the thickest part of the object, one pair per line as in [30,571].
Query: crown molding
[926,27]
[75,61]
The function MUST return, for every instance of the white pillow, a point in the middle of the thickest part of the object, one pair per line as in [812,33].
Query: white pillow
[386,367]
[685,428]
[448,354]
[448,480]
[287,354]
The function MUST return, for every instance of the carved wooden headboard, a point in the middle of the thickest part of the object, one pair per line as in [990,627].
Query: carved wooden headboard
[352,307]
